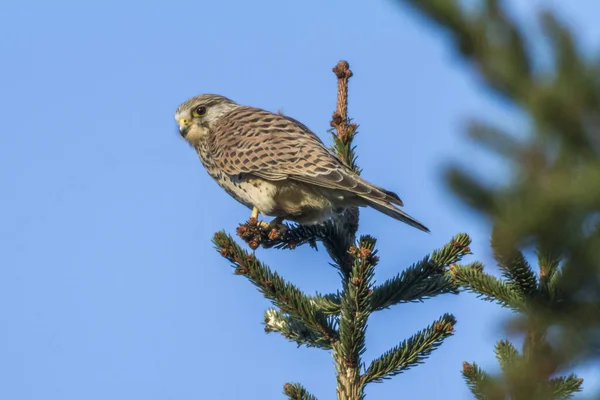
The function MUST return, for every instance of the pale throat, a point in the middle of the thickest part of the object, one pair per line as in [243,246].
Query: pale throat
[197,135]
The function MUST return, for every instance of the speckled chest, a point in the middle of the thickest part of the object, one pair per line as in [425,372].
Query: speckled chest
[246,189]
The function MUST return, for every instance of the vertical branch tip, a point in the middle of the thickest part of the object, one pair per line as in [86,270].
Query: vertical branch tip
[339,120]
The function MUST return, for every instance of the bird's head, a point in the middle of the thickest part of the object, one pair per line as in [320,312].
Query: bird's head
[199,114]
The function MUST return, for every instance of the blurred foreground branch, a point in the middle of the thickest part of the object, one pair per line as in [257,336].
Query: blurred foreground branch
[551,202]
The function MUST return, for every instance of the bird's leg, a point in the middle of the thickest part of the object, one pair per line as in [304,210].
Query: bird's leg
[261,224]
[276,223]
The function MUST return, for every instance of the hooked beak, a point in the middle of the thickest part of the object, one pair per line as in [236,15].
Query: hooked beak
[184,126]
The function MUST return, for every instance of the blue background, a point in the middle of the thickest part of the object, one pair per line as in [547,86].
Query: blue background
[109,285]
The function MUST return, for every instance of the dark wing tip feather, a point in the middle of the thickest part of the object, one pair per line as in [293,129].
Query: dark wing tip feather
[381,193]
[393,196]
[392,211]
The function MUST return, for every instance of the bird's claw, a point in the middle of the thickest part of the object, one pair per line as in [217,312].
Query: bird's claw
[264,224]
[276,224]
[255,232]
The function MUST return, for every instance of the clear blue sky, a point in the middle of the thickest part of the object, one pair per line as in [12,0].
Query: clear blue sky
[110,287]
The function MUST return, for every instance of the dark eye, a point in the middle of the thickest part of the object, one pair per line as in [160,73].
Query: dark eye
[201,110]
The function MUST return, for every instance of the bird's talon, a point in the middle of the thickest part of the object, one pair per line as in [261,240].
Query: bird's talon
[264,225]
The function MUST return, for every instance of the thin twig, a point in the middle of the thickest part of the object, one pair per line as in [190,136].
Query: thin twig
[339,120]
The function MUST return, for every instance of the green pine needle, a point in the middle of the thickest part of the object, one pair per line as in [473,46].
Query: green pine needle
[416,283]
[295,391]
[328,304]
[490,288]
[425,279]
[346,151]
[282,294]
[548,264]
[356,301]
[294,330]
[453,251]
[513,265]
[410,352]
[507,356]
[565,387]
[480,383]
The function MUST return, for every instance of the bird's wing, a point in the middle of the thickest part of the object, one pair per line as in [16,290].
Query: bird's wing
[304,127]
[274,147]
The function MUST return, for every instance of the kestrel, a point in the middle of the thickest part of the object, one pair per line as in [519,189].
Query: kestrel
[275,165]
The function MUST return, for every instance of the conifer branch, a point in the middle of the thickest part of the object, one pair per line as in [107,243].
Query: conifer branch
[420,281]
[284,295]
[480,383]
[337,236]
[355,310]
[425,279]
[497,49]
[548,263]
[328,304]
[519,380]
[341,239]
[453,251]
[513,264]
[416,283]
[526,375]
[294,330]
[343,135]
[410,352]
[507,356]
[291,238]
[549,199]
[495,139]
[490,288]
[344,131]
[565,387]
[295,391]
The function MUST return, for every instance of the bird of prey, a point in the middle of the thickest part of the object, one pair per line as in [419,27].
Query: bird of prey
[275,165]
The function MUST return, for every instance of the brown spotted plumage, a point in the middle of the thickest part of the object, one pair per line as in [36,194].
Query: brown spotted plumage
[275,165]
